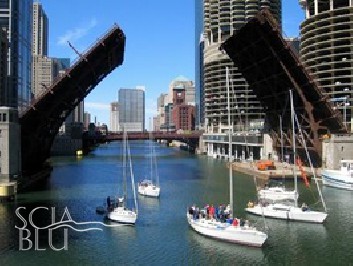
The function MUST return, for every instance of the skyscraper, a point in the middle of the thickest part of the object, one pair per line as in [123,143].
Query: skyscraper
[3,68]
[326,48]
[199,47]
[132,109]
[16,18]
[114,116]
[40,30]
[86,120]
[44,68]
[221,19]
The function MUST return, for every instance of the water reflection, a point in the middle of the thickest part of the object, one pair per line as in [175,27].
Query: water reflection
[216,252]
[161,234]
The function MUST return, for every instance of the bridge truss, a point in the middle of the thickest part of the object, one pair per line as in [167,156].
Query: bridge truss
[272,68]
[41,121]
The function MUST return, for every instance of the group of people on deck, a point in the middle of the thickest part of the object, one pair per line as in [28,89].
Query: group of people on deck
[219,213]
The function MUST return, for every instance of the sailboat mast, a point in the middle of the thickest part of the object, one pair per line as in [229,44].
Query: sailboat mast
[294,148]
[124,165]
[230,153]
[132,177]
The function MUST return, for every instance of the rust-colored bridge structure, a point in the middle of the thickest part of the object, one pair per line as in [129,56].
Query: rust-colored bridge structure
[191,138]
[158,135]
[272,68]
[41,121]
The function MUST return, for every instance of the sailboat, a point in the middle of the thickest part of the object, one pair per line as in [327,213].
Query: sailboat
[229,230]
[277,192]
[150,187]
[283,210]
[118,211]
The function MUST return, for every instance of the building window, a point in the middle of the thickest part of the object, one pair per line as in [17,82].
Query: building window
[4,117]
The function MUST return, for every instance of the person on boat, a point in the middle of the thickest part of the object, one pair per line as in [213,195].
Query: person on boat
[193,208]
[304,207]
[222,213]
[108,202]
[211,212]
[197,213]
[242,222]
[235,222]
[246,223]
[227,212]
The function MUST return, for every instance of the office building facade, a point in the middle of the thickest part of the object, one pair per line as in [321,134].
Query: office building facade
[326,49]
[3,68]
[16,18]
[114,117]
[162,100]
[199,47]
[86,120]
[40,30]
[132,109]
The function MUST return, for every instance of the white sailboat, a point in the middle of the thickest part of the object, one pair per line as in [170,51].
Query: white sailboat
[231,230]
[150,187]
[277,192]
[118,211]
[291,212]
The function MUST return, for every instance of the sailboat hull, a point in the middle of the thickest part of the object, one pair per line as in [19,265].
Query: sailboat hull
[149,190]
[277,194]
[122,215]
[248,236]
[280,211]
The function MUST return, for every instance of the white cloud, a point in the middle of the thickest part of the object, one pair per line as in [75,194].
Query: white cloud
[97,106]
[77,33]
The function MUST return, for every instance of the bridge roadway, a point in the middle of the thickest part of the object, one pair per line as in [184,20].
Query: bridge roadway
[193,136]
[191,139]
[41,122]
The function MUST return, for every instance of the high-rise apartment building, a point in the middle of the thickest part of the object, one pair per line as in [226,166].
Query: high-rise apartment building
[326,49]
[114,116]
[132,109]
[16,18]
[221,20]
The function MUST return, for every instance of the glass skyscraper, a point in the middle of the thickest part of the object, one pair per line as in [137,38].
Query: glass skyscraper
[16,18]
[132,109]
[199,46]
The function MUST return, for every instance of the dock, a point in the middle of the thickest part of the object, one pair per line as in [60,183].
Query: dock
[282,171]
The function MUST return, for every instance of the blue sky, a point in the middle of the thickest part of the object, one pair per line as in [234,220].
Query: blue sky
[159,42]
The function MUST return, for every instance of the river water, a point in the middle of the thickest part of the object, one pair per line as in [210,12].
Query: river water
[161,235]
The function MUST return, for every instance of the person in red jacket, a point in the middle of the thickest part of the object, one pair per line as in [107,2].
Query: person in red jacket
[235,222]
[211,212]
